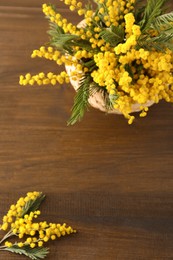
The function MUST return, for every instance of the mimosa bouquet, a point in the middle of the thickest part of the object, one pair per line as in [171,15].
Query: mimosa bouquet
[24,234]
[119,58]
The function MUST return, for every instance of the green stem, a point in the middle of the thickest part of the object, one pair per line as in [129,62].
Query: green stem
[2,247]
[9,234]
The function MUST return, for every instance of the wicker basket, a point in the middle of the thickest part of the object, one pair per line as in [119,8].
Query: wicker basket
[97,100]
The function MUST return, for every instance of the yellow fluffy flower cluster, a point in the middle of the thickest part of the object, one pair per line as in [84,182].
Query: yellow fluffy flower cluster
[16,210]
[105,75]
[129,73]
[136,75]
[20,221]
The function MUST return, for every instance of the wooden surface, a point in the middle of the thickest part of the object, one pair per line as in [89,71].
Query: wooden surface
[110,181]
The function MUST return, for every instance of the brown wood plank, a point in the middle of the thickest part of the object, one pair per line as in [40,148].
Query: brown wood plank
[111,181]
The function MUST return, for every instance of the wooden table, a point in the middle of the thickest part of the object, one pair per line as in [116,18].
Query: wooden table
[110,181]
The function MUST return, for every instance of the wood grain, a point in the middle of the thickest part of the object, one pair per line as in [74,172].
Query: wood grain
[111,181]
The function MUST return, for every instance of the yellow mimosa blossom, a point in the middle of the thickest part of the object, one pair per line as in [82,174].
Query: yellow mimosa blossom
[30,234]
[114,49]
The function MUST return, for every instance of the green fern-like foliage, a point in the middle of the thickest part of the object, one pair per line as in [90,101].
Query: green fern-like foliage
[158,43]
[163,23]
[62,41]
[86,89]
[113,35]
[152,10]
[81,100]
[33,253]
[32,205]
[153,19]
